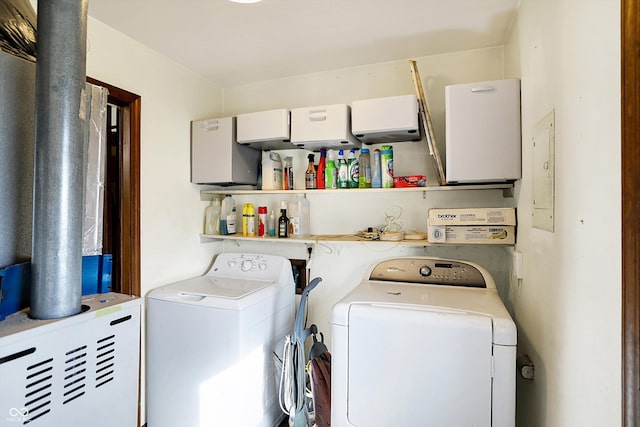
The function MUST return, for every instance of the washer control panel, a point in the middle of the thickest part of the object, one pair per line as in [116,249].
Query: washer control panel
[433,271]
[250,266]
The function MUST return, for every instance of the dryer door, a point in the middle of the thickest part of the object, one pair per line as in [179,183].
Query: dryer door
[410,365]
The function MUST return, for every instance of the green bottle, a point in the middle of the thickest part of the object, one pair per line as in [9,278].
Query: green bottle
[330,173]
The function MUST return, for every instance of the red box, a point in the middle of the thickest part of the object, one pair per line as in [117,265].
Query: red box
[409,181]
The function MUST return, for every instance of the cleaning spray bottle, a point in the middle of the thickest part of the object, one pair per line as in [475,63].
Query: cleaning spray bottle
[330,173]
[343,171]
[354,168]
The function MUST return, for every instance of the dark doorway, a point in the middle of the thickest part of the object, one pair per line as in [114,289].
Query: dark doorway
[122,188]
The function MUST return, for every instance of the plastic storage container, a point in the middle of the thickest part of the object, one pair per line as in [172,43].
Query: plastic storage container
[390,119]
[216,157]
[483,133]
[327,126]
[265,130]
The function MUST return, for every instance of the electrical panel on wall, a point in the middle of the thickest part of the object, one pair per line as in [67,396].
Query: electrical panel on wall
[544,172]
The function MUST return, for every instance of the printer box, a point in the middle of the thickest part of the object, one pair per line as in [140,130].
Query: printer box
[472,216]
[472,234]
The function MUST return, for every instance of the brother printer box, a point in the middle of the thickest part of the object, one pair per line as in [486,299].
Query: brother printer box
[484,226]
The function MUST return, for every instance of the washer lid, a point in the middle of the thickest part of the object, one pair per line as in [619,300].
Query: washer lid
[219,292]
[431,298]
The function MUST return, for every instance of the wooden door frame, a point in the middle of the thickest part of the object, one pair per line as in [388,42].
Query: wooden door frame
[630,162]
[129,261]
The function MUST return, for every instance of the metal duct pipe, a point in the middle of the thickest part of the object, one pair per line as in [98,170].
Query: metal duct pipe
[58,203]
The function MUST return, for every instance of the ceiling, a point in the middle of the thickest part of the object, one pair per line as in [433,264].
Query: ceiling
[233,44]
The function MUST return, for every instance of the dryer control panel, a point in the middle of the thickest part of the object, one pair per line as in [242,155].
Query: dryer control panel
[432,271]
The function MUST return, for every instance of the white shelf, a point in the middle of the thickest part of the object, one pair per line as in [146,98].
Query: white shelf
[327,239]
[507,189]
[205,195]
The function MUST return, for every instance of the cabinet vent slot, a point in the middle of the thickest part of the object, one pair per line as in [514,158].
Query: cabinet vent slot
[39,381]
[75,378]
[17,355]
[105,360]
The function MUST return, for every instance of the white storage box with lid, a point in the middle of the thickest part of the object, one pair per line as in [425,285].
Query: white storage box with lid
[265,130]
[483,132]
[384,120]
[327,126]
[216,157]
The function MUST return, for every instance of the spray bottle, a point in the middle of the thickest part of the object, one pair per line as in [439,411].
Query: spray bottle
[330,173]
[343,171]
[354,168]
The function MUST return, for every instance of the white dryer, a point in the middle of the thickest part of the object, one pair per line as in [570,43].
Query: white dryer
[423,341]
[210,343]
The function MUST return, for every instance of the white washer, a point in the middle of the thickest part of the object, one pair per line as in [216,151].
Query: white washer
[423,341]
[210,341]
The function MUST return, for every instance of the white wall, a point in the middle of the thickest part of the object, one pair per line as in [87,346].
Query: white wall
[172,96]
[170,207]
[568,306]
[342,266]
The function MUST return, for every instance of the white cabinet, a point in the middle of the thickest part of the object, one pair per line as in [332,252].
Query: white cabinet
[216,157]
[385,120]
[265,130]
[327,126]
[483,131]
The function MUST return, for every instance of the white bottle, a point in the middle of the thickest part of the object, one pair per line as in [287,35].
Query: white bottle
[300,216]
[272,173]
[212,218]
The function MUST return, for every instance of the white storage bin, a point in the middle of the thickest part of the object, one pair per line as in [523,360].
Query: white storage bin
[265,130]
[384,120]
[327,126]
[483,131]
[216,157]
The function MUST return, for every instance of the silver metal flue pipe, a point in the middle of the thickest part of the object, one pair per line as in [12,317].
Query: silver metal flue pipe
[58,204]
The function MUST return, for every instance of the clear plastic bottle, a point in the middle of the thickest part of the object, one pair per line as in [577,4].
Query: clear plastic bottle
[330,173]
[343,171]
[212,218]
[376,171]
[288,173]
[228,217]
[300,216]
[310,174]
[364,180]
[353,164]
[272,224]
